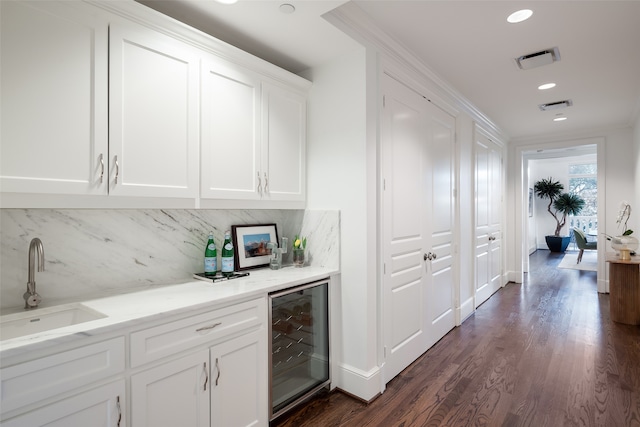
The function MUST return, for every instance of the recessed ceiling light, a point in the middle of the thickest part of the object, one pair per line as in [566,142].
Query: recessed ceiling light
[559,119]
[227,1]
[546,86]
[519,16]
[287,8]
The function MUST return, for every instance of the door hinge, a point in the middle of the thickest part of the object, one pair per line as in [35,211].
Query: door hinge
[384,268]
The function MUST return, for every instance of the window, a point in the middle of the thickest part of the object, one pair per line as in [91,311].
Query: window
[583,180]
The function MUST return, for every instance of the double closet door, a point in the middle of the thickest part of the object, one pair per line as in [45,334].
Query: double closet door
[418,150]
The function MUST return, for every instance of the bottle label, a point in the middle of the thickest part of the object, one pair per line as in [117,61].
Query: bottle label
[228,246]
[210,265]
[227,264]
[212,246]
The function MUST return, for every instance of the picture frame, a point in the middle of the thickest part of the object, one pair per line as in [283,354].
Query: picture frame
[250,242]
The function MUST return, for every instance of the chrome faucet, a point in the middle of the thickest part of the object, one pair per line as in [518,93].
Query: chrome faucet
[276,253]
[31,297]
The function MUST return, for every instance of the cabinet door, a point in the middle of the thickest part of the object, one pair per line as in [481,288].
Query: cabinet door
[153,114]
[172,394]
[102,406]
[284,114]
[54,98]
[239,381]
[230,154]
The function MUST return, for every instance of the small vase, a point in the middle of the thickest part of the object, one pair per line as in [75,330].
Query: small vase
[298,257]
[624,245]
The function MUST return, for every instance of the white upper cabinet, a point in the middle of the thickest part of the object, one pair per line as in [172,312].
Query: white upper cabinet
[106,99]
[284,114]
[54,99]
[153,114]
[253,136]
[230,120]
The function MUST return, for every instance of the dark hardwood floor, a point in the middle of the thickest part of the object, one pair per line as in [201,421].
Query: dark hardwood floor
[540,353]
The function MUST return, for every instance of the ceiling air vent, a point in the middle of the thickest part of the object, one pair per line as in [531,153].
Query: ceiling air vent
[555,105]
[538,59]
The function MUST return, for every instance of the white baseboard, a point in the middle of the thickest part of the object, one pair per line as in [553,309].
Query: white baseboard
[361,384]
[466,309]
[514,276]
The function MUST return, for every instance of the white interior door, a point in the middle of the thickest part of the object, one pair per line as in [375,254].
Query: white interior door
[488,218]
[417,225]
[440,216]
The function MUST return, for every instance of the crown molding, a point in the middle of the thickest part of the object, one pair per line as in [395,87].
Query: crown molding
[355,22]
[144,15]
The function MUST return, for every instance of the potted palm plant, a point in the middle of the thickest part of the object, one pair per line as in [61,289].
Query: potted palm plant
[563,204]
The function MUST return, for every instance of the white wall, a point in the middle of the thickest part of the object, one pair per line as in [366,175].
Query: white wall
[466,208]
[341,174]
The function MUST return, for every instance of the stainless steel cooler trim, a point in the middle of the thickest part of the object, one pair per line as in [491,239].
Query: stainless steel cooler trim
[308,394]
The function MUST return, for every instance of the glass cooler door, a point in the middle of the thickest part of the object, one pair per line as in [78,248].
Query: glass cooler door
[299,345]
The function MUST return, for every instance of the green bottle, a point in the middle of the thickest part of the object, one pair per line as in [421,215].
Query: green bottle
[227,255]
[210,257]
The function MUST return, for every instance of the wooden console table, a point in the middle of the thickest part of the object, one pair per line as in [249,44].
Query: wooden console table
[624,289]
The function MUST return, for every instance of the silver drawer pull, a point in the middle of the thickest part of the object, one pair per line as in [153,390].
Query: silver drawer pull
[206,328]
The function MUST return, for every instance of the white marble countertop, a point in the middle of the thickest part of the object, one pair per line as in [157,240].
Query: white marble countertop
[130,309]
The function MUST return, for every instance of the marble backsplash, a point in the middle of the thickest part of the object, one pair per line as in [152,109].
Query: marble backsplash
[90,253]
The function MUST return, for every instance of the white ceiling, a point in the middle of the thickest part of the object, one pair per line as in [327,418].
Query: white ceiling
[469,44]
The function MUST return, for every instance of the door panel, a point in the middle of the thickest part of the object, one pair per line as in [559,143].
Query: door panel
[418,211]
[488,218]
[404,279]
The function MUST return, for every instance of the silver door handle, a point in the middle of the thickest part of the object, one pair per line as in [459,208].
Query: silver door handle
[430,256]
[206,376]
[266,183]
[101,168]
[115,158]
[259,183]
[218,368]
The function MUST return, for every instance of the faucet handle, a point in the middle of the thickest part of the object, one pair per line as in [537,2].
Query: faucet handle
[31,300]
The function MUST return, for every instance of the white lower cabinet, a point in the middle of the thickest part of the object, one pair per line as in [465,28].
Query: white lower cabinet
[209,369]
[173,394]
[239,382]
[101,406]
[61,389]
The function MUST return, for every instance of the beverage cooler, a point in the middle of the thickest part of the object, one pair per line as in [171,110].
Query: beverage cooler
[299,345]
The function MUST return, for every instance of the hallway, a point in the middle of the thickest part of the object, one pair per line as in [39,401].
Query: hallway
[541,353]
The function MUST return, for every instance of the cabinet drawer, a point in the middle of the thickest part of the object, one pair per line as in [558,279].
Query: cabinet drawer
[50,376]
[164,340]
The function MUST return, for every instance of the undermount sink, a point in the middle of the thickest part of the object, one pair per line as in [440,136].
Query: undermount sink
[45,319]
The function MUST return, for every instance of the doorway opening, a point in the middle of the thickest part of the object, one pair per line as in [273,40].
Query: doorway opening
[580,168]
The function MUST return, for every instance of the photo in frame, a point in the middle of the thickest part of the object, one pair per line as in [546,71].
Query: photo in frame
[250,242]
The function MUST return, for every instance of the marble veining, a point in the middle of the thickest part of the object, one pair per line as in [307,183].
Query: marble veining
[95,252]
